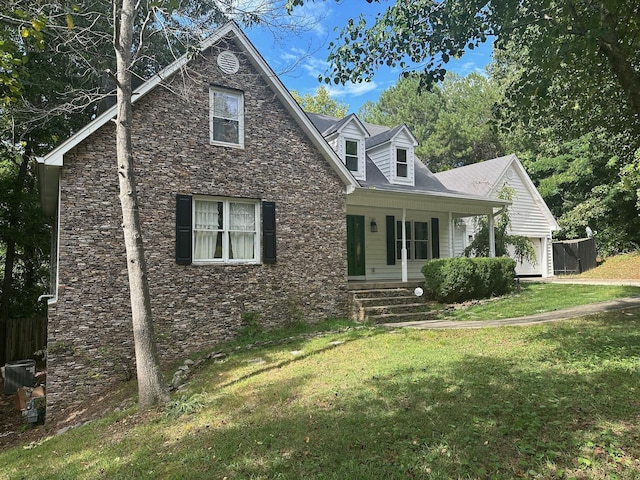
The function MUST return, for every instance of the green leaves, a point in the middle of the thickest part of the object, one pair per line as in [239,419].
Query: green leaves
[321,103]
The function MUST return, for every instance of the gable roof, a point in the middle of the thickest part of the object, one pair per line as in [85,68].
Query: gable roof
[329,125]
[388,135]
[56,157]
[483,179]
[478,178]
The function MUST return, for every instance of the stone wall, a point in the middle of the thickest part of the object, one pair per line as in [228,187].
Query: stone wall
[195,306]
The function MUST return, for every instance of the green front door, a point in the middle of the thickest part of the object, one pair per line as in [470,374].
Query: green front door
[355,245]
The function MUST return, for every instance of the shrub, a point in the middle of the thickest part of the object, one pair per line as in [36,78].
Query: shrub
[458,279]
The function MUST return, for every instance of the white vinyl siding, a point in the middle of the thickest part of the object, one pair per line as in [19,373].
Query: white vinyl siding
[226,117]
[402,160]
[376,246]
[225,230]
[381,156]
[526,216]
[352,136]
[398,168]
[527,219]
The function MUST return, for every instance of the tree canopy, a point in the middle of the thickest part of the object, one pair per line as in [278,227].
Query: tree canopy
[594,40]
[321,103]
[569,75]
[454,123]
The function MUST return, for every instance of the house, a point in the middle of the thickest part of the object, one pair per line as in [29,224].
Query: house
[529,215]
[249,208]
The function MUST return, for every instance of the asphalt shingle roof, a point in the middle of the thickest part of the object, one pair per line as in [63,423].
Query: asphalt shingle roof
[425,180]
[477,178]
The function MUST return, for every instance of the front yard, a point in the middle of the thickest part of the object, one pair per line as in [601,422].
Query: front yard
[552,401]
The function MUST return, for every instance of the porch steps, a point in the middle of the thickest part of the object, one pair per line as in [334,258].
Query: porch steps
[394,304]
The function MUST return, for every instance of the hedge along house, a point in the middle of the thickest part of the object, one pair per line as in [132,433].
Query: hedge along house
[246,210]
[529,215]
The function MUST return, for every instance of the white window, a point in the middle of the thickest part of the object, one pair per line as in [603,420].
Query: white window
[351,158]
[225,230]
[402,165]
[421,240]
[226,117]
[417,239]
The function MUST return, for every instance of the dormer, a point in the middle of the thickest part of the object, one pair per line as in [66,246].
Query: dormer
[348,137]
[393,153]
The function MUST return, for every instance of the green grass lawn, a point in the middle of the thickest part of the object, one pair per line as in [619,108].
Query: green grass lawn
[551,401]
[538,298]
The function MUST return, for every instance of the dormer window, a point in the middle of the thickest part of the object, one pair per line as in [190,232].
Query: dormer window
[351,155]
[402,165]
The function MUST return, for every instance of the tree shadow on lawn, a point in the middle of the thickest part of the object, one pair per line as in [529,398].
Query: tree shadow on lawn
[549,414]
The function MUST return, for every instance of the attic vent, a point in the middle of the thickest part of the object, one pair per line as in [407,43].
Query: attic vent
[228,62]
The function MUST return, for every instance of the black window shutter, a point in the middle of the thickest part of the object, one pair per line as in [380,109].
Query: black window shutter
[183,229]
[391,240]
[269,232]
[435,238]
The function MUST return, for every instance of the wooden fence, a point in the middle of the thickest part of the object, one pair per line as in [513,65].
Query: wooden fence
[25,336]
[574,256]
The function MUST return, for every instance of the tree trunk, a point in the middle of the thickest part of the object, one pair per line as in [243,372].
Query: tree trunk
[10,256]
[613,47]
[627,77]
[7,286]
[150,385]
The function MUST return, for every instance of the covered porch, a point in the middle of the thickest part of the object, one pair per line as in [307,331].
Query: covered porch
[392,234]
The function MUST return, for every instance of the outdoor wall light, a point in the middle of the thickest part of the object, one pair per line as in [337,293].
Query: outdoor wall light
[374,225]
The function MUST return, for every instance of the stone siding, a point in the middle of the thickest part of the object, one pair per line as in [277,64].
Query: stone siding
[196,306]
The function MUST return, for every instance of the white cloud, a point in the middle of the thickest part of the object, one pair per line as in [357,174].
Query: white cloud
[314,66]
[312,15]
[351,89]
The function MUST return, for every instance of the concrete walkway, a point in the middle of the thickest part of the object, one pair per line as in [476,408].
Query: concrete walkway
[552,316]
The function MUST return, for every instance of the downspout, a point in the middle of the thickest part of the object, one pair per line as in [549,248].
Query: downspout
[53,298]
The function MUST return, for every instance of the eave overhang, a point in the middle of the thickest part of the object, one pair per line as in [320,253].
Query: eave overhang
[454,202]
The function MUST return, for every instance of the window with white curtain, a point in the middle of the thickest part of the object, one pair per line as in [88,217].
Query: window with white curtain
[225,230]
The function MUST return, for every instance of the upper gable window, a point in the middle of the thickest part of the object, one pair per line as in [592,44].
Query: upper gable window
[226,117]
[351,155]
[402,165]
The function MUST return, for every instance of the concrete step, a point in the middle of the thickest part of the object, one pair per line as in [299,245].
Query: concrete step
[391,304]
[384,292]
[401,317]
[398,308]
[377,301]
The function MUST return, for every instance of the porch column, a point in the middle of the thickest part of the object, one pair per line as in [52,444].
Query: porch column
[492,237]
[451,232]
[405,274]
[544,253]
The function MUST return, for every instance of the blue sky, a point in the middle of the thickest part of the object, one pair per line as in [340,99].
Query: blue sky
[298,58]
